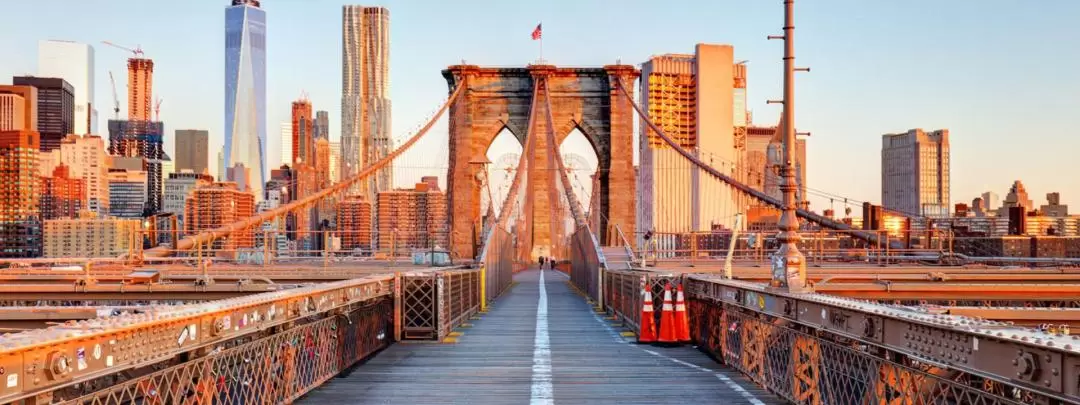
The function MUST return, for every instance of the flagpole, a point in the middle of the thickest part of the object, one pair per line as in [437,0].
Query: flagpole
[541,42]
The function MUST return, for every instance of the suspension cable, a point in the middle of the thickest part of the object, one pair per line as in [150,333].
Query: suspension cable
[810,216]
[224,231]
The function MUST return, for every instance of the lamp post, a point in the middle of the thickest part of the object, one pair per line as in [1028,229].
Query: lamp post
[481,163]
[789,264]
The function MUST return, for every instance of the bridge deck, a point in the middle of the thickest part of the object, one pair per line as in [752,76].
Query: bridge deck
[501,360]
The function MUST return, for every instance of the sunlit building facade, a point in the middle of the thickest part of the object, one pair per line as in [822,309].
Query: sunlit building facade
[20,221]
[62,196]
[693,99]
[215,205]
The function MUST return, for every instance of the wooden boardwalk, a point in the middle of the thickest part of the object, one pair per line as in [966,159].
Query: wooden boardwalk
[513,356]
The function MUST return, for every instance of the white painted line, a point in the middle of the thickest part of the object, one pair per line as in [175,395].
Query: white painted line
[543,393]
[734,386]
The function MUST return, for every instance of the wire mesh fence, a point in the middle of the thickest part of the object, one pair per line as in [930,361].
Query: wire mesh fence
[585,262]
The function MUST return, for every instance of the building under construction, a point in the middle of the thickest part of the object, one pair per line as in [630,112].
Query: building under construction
[140,88]
[216,205]
[414,218]
[354,223]
[142,139]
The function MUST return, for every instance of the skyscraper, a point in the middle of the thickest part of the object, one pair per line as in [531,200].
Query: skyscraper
[245,90]
[192,150]
[915,172]
[73,62]
[286,144]
[322,125]
[55,108]
[692,98]
[303,143]
[335,162]
[365,97]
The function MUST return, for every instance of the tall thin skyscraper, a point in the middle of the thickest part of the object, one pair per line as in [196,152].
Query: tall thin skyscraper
[73,62]
[365,94]
[303,143]
[286,144]
[322,125]
[245,90]
[335,162]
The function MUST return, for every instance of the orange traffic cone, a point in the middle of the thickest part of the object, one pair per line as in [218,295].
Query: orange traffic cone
[667,320]
[682,318]
[648,322]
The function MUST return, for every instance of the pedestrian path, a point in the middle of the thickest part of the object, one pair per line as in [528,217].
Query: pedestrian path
[541,343]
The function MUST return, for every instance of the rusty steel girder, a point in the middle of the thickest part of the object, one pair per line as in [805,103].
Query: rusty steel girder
[1036,361]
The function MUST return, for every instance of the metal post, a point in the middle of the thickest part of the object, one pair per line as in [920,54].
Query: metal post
[326,248]
[731,247]
[483,287]
[398,290]
[789,264]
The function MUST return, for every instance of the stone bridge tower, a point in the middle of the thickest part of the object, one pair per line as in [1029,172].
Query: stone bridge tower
[585,99]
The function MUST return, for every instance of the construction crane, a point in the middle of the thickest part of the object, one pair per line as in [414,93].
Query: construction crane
[157,110]
[137,51]
[115,100]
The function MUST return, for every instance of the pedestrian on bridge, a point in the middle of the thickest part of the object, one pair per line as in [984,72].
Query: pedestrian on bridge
[542,262]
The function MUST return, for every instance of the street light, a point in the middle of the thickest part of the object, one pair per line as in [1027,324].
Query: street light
[481,163]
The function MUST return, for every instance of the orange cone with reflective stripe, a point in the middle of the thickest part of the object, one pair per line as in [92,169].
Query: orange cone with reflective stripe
[648,324]
[667,318]
[682,320]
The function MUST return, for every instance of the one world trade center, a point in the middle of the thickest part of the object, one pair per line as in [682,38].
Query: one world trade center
[245,93]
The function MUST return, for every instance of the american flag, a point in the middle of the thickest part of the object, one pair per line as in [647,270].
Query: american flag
[536,33]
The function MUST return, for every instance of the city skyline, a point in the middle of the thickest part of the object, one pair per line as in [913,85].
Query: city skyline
[845,112]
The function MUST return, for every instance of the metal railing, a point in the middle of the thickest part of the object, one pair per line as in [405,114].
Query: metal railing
[276,369]
[434,303]
[496,263]
[624,293]
[806,369]
[819,246]
[818,349]
[586,262]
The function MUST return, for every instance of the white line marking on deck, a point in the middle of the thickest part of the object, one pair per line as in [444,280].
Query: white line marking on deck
[542,391]
[732,384]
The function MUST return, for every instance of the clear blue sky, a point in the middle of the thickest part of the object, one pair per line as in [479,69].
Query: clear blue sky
[999,74]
